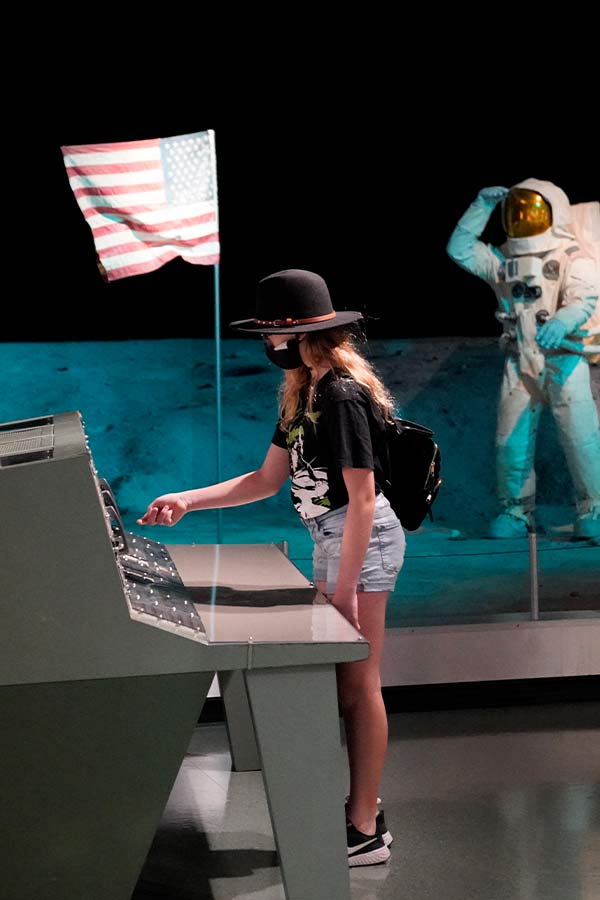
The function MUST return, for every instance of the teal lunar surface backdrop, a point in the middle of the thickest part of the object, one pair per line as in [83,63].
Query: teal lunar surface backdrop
[149,412]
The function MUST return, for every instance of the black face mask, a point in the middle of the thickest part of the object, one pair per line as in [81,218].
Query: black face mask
[286,356]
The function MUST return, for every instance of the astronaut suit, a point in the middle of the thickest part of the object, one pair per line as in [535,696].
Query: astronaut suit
[547,288]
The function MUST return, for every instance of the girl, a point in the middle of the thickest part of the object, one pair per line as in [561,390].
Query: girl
[329,439]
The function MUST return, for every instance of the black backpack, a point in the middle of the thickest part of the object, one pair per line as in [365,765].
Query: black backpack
[409,467]
[411,471]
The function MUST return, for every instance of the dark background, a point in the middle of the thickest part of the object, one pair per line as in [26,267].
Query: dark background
[361,186]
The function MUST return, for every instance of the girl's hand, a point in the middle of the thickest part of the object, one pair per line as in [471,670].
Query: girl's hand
[346,602]
[165,510]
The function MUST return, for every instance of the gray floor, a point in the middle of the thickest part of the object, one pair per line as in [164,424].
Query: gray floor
[491,804]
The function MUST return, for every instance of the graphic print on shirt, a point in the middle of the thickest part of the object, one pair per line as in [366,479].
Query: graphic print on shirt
[309,484]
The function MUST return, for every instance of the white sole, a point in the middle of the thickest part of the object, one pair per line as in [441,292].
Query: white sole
[374,858]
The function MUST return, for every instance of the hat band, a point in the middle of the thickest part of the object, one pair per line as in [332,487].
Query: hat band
[276,323]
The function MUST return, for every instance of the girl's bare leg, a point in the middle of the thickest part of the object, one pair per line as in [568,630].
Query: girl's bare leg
[365,718]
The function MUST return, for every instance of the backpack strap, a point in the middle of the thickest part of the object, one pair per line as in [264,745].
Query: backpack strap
[381,451]
[377,428]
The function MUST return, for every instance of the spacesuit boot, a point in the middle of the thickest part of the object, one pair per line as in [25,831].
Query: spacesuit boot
[587,525]
[514,522]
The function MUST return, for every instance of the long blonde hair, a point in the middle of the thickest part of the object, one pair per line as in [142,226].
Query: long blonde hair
[335,349]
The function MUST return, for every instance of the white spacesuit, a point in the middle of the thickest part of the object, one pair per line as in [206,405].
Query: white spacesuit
[547,285]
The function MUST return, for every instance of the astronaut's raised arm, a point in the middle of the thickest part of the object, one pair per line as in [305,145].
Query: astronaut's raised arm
[464,246]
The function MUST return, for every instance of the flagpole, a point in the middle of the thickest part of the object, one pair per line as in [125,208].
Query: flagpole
[218,390]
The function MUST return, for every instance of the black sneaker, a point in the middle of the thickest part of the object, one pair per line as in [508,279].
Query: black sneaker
[381,827]
[365,849]
[382,830]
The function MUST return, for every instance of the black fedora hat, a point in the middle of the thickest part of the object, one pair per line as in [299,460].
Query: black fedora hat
[291,301]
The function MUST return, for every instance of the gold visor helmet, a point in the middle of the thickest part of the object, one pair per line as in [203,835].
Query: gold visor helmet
[525,213]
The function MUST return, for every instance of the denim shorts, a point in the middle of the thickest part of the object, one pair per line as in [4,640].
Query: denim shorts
[383,559]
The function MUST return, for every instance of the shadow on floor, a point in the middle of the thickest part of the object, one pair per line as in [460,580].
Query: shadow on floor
[180,864]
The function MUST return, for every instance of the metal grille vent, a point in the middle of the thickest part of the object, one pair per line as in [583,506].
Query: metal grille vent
[26,444]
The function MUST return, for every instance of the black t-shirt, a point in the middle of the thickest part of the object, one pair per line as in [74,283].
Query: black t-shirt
[340,430]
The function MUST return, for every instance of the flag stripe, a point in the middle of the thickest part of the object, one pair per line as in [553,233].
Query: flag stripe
[116,179]
[147,217]
[177,227]
[136,201]
[152,264]
[109,148]
[118,243]
[139,254]
[121,190]
[147,202]
[107,169]
[95,156]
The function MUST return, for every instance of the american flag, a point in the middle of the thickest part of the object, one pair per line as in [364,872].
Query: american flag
[148,201]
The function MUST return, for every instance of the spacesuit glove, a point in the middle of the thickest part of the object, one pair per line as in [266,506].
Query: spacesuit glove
[551,334]
[493,195]
[472,223]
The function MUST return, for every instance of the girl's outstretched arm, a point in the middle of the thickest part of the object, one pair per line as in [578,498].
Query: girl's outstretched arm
[168,509]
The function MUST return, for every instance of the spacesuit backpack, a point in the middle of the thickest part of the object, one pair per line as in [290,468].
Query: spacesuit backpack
[586,224]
